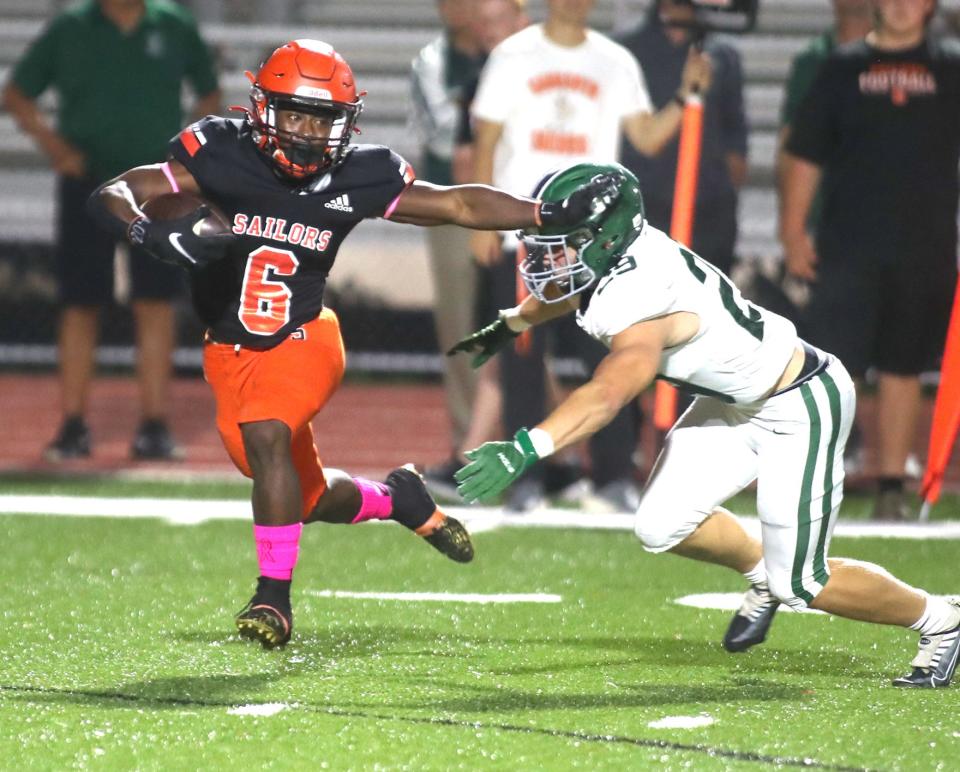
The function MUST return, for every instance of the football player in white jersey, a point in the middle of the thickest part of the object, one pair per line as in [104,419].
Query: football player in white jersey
[769,408]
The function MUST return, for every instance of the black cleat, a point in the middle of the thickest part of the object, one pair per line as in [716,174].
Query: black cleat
[72,441]
[447,535]
[750,624]
[153,442]
[935,662]
[267,617]
[414,507]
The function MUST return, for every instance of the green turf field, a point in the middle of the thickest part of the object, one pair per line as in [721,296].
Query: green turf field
[118,653]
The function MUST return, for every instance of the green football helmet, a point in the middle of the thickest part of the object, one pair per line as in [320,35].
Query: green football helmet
[562,262]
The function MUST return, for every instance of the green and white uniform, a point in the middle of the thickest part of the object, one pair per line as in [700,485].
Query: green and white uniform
[737,430]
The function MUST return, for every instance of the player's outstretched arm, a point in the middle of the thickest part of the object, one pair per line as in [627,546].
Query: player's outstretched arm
[485,208]
[510,322]
[623,374]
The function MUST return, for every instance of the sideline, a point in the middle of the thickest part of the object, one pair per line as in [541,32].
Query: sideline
[478,519]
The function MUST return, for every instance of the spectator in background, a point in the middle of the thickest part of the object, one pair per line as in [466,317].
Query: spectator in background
[439,74]
[493,21]
[551,95]
[881,127]
[661,47]
[244,11]
[117,67]
[852,20]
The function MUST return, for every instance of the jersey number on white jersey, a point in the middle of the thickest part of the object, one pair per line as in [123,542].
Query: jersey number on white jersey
[743,312]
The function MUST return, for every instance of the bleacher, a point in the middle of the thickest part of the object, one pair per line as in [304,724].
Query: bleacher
[379,39]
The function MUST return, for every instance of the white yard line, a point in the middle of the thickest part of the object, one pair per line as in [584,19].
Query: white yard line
[726,601]
[478,519]
[683,722]
[258,709]
[440,597]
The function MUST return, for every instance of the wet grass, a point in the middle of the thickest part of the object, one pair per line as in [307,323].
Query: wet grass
[118,652]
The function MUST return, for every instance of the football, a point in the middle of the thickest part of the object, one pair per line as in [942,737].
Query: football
[170,206]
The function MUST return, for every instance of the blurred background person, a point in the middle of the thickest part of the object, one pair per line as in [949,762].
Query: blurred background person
[880,126]
[492,22]
[551,95]
[439,75]
[117,67]
[661,46]
[852,20]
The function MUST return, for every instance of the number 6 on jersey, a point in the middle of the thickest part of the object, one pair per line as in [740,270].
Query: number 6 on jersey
[265,304]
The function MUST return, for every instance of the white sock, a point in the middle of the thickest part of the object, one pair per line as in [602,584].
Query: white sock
[757,574]
[937,617]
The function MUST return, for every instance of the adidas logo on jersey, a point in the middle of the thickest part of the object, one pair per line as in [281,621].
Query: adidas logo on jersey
[340,203]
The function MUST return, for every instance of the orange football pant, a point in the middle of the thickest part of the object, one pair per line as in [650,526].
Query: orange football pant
[290,382]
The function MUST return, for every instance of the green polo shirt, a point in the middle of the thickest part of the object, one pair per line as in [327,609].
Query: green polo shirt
[118,94]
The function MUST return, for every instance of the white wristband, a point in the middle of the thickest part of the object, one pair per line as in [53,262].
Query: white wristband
[514,321]
[542,442]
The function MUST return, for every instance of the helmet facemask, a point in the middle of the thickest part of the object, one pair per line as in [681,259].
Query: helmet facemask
[561,263]
[553,268]
[301,155]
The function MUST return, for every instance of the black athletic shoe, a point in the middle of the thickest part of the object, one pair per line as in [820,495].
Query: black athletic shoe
[439,479]
[154,442]
[936,661]
[750,624]
[72,441]
[414,507]
[267,617]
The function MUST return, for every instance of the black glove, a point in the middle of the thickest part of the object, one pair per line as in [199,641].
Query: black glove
[175,242]
[486,342]
[584,205]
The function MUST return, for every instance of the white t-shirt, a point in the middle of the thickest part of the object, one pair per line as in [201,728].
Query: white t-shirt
[740,350]
[558,105]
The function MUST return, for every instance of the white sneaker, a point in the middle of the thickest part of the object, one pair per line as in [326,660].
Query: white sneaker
[936,660]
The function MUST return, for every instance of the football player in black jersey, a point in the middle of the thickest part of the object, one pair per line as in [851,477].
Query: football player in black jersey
[293,187]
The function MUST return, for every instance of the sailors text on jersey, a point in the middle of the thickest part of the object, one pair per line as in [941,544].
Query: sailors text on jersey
[275,229]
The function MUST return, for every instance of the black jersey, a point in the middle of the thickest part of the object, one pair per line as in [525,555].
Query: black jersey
[885,126]
[273,277]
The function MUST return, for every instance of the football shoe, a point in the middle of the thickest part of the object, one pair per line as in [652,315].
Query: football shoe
[267,617]
[936,660]
[414,507]
[750,624]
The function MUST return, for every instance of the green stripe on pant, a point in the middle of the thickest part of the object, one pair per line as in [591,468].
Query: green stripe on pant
[820,572]
[806,489]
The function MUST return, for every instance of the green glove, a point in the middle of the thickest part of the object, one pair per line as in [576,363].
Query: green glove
[494,466]
[486,342]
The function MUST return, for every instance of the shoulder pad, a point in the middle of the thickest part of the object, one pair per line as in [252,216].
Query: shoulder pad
[372,164]
[212,128]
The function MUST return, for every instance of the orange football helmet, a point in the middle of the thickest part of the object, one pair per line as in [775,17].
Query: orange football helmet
[306,76]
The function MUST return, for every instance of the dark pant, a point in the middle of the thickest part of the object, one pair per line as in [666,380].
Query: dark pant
[889,315]
[84,255]
[523,384]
